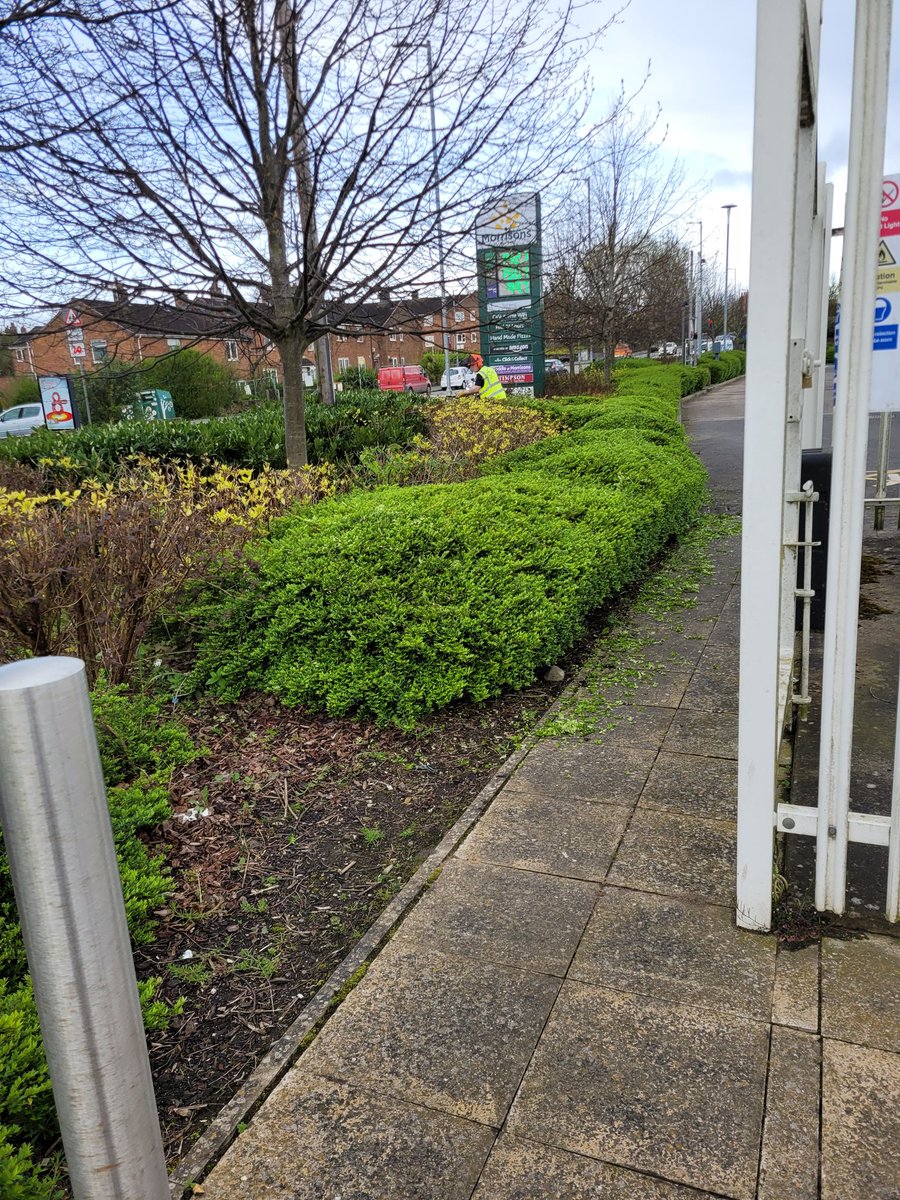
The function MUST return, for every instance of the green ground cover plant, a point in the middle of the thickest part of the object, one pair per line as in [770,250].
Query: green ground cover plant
[397,601]
[139,749]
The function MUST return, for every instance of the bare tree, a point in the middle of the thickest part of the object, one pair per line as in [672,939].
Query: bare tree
[637,197]
[277,151]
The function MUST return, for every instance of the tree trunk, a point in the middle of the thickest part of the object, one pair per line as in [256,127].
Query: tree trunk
[291,350]
[609,353]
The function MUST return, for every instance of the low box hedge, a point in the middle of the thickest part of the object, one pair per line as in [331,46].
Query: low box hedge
[397,601]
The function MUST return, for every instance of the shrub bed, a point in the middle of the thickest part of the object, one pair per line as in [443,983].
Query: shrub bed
[335,433]
[398,601]
[728,365]
[139,750]
[87,569]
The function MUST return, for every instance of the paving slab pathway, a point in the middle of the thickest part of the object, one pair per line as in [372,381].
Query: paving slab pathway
[570,1010]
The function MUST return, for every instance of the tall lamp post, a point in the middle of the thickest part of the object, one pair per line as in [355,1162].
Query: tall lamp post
[445,331]
[699,290]
[728,208]
[590,243]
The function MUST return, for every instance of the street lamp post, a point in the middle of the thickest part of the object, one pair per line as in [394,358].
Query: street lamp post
[728,208]
[699,290]
[445,332]
[590,242]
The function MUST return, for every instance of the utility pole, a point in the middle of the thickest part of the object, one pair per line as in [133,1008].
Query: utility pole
[728,208]
[590,233]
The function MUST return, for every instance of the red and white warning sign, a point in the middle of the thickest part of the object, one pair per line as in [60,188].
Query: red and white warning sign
[72,318]
[886,338]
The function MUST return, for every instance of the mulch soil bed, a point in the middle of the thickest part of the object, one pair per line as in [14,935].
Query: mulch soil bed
[290,834]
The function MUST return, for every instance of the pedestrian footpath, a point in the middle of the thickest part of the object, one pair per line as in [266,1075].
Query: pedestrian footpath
[570,1011]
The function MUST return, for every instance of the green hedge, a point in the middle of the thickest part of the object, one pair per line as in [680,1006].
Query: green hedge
[398,601]
[335,433]
[139,750]
[728,365]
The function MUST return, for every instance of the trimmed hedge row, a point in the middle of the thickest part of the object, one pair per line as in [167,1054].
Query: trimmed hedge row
[398,601]
[335,433]
[728,365]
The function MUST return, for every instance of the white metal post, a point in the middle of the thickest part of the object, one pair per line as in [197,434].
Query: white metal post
[811,423]
[892,907]
[823,314]
[779,54]
[69,898]
[868,118]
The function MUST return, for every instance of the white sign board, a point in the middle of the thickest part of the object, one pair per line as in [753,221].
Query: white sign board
[886,340]
[510,222]
[76,349]
[57,402]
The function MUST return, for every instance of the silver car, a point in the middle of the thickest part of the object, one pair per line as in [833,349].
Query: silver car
[20,420]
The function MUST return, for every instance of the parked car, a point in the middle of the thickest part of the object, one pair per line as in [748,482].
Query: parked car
[404,379]
[19,421]
[460,377]
[666,350]
[622,351]
[555,366]
[722,343]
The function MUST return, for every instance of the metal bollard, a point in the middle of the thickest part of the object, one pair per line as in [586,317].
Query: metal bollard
[59,841]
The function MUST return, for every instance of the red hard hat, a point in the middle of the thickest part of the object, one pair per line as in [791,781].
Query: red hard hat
[476,361]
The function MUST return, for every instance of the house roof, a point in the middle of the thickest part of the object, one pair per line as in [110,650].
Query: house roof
[207,318]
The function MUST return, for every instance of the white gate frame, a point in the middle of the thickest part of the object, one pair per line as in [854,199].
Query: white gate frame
[784,177]
[790,242]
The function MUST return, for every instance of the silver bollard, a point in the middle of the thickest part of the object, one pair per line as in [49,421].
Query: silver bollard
[59,841]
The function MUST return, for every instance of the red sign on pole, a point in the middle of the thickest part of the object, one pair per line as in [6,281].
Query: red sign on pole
[72,318]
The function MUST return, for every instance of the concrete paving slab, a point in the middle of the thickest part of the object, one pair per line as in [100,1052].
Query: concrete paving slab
[692,784]
[796,998]
[315,1139]
[710,692]
[676,650]
[860,1123]
[789,1165]
[573,838]
[711,734]
[521,1170]
[676,950]
[666,1088]
[572,769]
[677,855]
[502,915]
[438,1030]
[662,687]
[636,725]
[861,991]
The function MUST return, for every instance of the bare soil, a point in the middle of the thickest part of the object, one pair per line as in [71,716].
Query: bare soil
[305,828]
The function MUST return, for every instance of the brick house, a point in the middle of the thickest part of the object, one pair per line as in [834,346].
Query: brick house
[387,332]
[124,331]
[380,333]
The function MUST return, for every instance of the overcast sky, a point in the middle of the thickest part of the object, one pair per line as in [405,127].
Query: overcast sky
[701,58]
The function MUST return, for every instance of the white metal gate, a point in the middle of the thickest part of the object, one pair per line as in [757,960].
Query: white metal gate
[790,244]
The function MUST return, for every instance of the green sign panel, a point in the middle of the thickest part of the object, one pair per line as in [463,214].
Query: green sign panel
[511,311]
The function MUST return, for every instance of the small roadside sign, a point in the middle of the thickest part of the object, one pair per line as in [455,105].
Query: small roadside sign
[886,326]
[76,349]
[72,318]
[56,399]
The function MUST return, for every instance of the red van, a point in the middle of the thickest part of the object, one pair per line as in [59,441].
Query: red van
[404,379]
